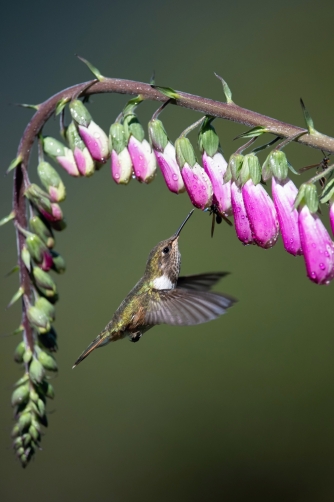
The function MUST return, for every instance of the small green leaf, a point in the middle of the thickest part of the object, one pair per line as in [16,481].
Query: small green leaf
[167,91]
[92,68]
[61,105]
[14,163]
[16,331]
[152,79]
[308,119]
[226,89]
[24,105]
[8,218]
[266,145]
[252,133]
[300,195]
[292,169]
[16,297]
[327,192]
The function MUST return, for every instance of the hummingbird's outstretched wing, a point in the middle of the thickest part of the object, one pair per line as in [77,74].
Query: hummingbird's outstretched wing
[200,282]
[186,307]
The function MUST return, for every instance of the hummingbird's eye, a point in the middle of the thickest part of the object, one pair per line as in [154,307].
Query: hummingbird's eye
[165,250]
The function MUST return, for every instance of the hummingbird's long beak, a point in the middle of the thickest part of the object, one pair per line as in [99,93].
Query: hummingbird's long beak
[185,221]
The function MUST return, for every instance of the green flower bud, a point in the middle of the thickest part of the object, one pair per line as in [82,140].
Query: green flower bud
[276,164]
[80,113]
[15,431]
[133,126]
[45,306]
[50,393]
[20,451]
[208,140]
[19,352]
[48,362]
[157,135]
[43,232]
[184,152]
[22,380]
[17,443]
[26,439]
[38,319]
[25,255]
[235,164]
[52,181]
[20,395]
[36,371]
[24,421]
[38,198]
[250,169]
[36,247]
[43,279]
[53,147]
[41,407]
[27,356]
[33,396]
[307,194]
[58,263]
[34,433]
[117,138]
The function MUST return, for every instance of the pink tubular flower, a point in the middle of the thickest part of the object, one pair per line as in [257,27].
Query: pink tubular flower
[170,169]
[284,195]
[331,214]
[261,213]
[95,140]
[242,226]
[121,166]
[143,159]
[198,185]
[317,247]
[215,167]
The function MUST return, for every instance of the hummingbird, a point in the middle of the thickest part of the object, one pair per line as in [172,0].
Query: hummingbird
[162,297]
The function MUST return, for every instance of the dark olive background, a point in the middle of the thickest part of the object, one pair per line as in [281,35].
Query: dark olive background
[237,409]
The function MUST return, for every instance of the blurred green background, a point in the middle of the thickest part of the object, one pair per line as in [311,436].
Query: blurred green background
[237,409]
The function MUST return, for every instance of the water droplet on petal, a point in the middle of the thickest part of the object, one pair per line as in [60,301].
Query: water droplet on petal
[322,266]
[175,177]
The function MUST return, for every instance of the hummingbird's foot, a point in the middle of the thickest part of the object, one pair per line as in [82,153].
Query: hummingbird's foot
[135,337]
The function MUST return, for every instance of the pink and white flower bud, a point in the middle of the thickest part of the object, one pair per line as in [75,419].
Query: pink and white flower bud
[67,161]
[143,159]
[198,185]
[331,214]
[47,262]
[284,195]
[242,226]
[121,166]
[170,168]
[55,214]
[317,247]
[261,213]
[215,167]
[96,141]
[84,161]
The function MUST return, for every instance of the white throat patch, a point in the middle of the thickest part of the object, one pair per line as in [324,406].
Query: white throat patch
[162,282]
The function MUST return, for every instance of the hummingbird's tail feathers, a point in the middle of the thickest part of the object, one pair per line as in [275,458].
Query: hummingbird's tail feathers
[200,282]
[183,307]
[99,340]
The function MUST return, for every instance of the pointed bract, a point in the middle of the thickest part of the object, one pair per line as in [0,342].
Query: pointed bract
[198,185]
[284,194]
[143,159]
[317,247]
[261,213]
[242,226]
[215,167]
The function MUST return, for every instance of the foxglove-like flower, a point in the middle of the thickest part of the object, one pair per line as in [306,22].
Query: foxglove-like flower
[49,210]
[121,164]
[215,167]
[261,213]
[83,158]
[165,154]
[141,153]
[63,155]
[260,208]
[93,136]
[52,181]
[284,195]
[331,214]
[196,181]
[317,247]
[242,226]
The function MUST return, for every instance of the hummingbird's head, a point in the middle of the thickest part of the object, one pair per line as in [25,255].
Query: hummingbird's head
[164,261]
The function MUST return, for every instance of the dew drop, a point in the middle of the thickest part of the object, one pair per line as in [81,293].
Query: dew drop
[313,275]
[313,244]
[322,266]
[96,135]
[117,176]
[175,177]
